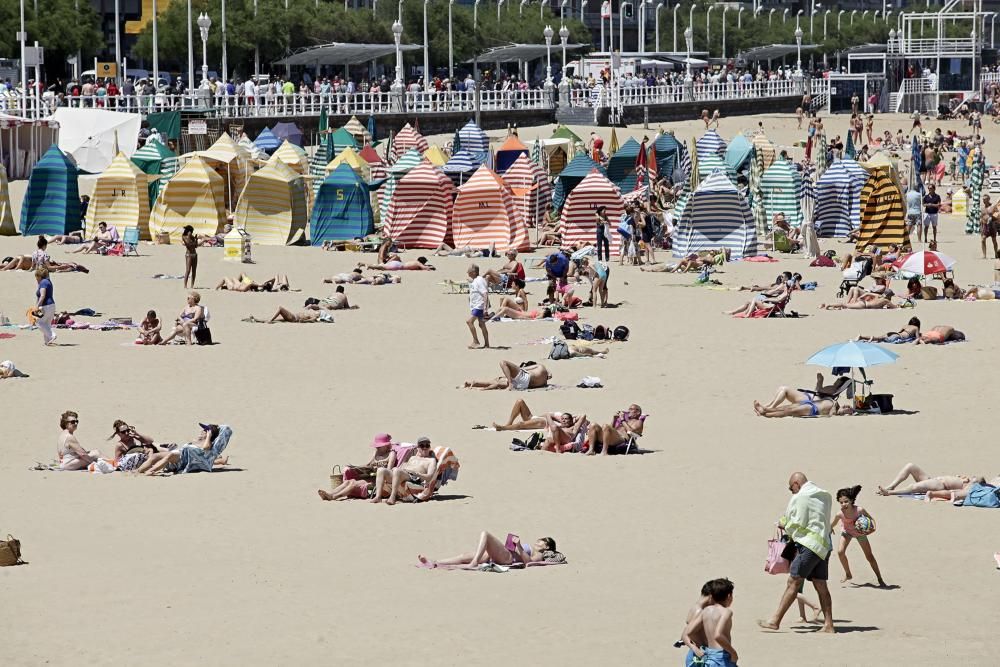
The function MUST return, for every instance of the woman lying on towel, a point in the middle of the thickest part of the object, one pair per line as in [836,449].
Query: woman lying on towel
[907,334]
[528,375]
[939,335]
[244,283]
[858,299]
[396,265]
[515,314]
[359,480]
[922,482]
[800,404]
[285,315]
[491,550]
[356,276]
[625,425]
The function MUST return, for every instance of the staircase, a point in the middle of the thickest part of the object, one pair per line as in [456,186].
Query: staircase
[575,115]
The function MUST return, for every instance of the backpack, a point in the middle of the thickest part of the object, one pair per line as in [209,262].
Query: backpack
[621,333]
[601,332]
[570,330]
[587,333]
[560,350]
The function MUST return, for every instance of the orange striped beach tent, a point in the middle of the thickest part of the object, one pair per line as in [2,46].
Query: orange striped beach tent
[406,139]
[485,213]
[578,223]
[420,208]
[530,187]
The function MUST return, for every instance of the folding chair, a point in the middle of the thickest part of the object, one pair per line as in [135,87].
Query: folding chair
[130,241]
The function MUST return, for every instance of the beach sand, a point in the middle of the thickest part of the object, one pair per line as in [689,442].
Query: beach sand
[247,566]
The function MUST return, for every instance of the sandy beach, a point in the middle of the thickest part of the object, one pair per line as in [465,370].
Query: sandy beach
[247,566]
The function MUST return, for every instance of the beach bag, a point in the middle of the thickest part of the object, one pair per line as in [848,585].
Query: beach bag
[560,350]
[601,332]
[570,330]
[621,333]
[587,333]
[10,552]
[336,477]
[776,562]
[203,335]
[982,495]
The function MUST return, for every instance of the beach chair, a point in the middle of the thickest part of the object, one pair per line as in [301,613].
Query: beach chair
[854,275]
[781,242]
[130,241]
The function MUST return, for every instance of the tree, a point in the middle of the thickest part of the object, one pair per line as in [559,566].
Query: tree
[59,27]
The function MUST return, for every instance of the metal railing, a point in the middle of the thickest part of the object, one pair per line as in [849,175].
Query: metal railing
[952,46]
[702,92]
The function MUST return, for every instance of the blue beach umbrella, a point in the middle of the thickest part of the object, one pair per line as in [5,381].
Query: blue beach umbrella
[852,354]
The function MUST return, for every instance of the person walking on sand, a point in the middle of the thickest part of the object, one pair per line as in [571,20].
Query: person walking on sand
[190,242]
[696,635]
[479,304]
[45,304]
[715,622]
[807,523]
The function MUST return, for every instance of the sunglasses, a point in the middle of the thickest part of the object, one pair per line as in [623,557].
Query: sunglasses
[72,421]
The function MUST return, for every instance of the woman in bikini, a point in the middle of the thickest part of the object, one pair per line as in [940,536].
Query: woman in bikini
[492,550]
[922,482]
[190,242]
[561,433]
[939,335]
[70,453]
[190,318]
[515,314]
[800,404]
[625,425]
[358,480]
[862,301]
[519,300]
[907,334]
[132,448]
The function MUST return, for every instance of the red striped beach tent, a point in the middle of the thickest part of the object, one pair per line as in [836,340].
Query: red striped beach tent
[406,139]
[578,223]
[531,189]
[420,208]
[485,213]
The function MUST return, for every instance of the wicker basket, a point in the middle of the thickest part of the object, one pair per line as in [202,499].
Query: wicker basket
[336,477]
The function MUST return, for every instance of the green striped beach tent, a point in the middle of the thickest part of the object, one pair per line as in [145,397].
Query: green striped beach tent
[156,159]
[781,186]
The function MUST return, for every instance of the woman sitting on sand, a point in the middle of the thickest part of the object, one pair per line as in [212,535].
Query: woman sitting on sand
[529,375]
[149,330]
[491,550]
[358,480]
[773,297]
[940,334]
[519,299]
[907,334]
[132,448]
[191,317]
[396,265]
[69,452]
[244,283]
[800,404]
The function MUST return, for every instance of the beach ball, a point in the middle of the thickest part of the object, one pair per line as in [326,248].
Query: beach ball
[864,525]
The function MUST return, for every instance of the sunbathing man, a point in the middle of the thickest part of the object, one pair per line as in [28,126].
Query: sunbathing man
[939,335]
[244,283]
[564,434]
[336,301]
[445,250]
[285,315]
[800,404]
[625,425]
[420,468]
[922,482]
[529,375]
[396,265]
[907,334]
[102,240]
[356,276]
[72,238]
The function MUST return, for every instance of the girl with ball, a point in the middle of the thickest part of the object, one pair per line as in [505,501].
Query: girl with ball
[857,524]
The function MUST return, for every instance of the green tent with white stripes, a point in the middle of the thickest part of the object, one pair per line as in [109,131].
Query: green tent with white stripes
[157,160]
[781,187]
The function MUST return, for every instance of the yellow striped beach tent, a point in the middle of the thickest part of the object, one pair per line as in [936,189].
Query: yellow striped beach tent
[765,148]
[882,211]
[292,156]
[232,162]
[194,196]
[7,226]
[352,159]
[273,208]
[436,156]
[120,199]
[358,131]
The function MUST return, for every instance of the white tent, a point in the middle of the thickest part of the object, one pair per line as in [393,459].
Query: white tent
[94,136]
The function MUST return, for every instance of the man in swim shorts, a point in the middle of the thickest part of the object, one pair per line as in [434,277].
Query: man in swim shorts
[479,304]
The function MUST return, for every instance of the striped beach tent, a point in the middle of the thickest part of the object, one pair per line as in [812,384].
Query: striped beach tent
[667,154]
[7,226]
[975,204]
[781,186]
[353,160]
[156,159]
[578,169]
[531,190]
[838,195]
[51,204]
[232,162]
[375,162]
[508,153]
[120,198]
[248,145]
[395,173]
[716,216]
[711,163]
[194,196]
[621,165]
[485,213]
[462,165]
[563,132]
[292,156]
[342,139]
[766,149]
[737,155]
[473,139]
[266,141]
[343,209]
[578,223]
[756,193]
[436,156]
[420,208]
[710,143]
[685,164]
[883,213]
[273,206]
[360,133]
[405,140]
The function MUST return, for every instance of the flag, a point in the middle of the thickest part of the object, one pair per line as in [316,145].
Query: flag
[371,129]
[651,167]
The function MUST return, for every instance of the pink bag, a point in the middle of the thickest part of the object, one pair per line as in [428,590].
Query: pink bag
[775,563]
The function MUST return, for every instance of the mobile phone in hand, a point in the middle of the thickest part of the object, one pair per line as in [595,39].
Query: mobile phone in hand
[510,541]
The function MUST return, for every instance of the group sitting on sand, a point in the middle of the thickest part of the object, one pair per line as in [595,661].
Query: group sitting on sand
[564,433]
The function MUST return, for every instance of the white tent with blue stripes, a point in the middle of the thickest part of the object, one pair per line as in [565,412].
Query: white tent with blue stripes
[710,143]
[781,186]
[838,199]
[716,216]
[473,139]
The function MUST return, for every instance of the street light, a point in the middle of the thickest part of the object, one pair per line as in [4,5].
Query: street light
[499,5]
[676,7]
[691,17]
[797,15]
[853,12]
[475,14]
[156,52]
[520,9]
[689,38]
[864,14]
[798,51]
[397,33]
[583,10]
[427,53]
[548,57]
[190,23]
[451,46]
[784,16]
[708,30]
[563,37]
[225,59]
[725,8]
[770,15]
[656,23]
[812,33]
[887,15]
[840,15]
[739,18]
[204,23]
[374,6]
[562,10]
[825,15]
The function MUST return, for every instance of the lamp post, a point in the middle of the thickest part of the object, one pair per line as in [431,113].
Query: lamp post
[691,18]
[562,11]
[451,46]
[770,15]
[853,12]
[784,16]
[374,6]
[563,38]
[826,14]
[656,24]
[621,26]
[118,43]
[688,79]
[798,52]
[864,14]
[840,15]
[725,8]
[22,36]
[499,5]
[887,15]
[708,30]
[156,51]
[427,53]
[475,15]
[739,18]
[520,9]
[812,30]
[225,59]
[583,10]
[204,23]
[640,33]
[190,23]
[397,84]
[548,58]
[256,55]
[676,7]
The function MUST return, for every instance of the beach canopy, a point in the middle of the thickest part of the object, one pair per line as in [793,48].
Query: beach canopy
[578,169]
[485,213]
[667,154]
[781,189]
[621,165]
[7,226]
[375,162]
[273,206]
[462,164]
[407,139]
[343,208]
[436,156]
[194,196]
[711,163]
[716,216]
[710,143]
[578,223]
[292,156]
[156,159]
[93,137]
[883,213]
[353,160]
[765,148]
[838,195]
[51,202]
[473,139]
[395,173]
[288,132]
[120,198]
[737,153]
[233,164]
[251,148]
[420,208]
[342,139]
[563,132]
[508,153]
[852,354]
[266,141]
[360,133]
[531,190]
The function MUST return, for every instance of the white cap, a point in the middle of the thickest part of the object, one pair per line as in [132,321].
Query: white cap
[7,366]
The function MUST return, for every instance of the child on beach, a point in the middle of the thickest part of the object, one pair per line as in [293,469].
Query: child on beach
[149,330]
[479,304]
[848,515]
[715,624]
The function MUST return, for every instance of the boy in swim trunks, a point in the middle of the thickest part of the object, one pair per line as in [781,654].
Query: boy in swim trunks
[479,303]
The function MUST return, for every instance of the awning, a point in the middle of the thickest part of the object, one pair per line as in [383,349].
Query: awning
[343,54]
[774,51]
[515,52]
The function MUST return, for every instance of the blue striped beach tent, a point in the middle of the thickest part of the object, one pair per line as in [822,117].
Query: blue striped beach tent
[667,154]
[473,139]
[621,165]
[684,164]
[343,208]
[716,216]
[577,170]
[710,143]
[781,186]
[52,201]
[342,139]
[266,141]
[400,168]
[709,163]
[738,153]
[462,165]
[838,199]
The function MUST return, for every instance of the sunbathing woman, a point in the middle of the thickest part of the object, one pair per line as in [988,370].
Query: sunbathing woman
[761,301]
[529,375]
[149,330]
[491,550]
[285,315]
[698,261]
[563,434]
[356,276]
[336,301]
[358,480]
[922,482]
[858,299]
[190,318]
[516,314]
[939,335]
[522,419]
[66,239]
[625,425]
[800,404]
[907,334]
[393,484]
[9,370]
[200,455]
[70,453]
[396,265]
[244,283]
[132,448]
[780,280]
[519,300]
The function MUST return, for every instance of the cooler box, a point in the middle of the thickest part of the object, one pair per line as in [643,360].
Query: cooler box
[959,202]
[236,246]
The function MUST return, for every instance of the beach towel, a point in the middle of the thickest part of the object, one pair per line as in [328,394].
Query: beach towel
[760,258]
